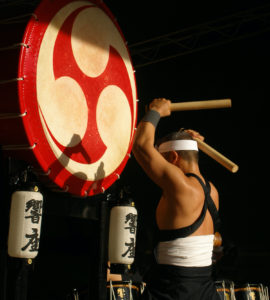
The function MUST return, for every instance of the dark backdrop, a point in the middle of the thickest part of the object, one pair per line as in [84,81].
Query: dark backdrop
[236,69]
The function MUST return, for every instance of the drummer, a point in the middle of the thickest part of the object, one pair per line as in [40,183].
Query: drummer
[185,212]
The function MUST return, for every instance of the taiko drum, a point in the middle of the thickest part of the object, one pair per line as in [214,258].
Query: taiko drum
[69,90]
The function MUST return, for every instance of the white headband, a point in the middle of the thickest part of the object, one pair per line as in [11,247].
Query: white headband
[178,145]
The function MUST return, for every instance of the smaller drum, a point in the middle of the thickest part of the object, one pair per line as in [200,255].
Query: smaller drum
[251,292]
[124,290]
[225,289]
[116,290]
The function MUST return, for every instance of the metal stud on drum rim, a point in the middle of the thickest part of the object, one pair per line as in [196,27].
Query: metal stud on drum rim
[77,95]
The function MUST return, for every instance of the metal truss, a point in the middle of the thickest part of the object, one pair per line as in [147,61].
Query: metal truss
[224,30]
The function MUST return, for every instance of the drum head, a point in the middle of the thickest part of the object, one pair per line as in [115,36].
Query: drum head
[79,92]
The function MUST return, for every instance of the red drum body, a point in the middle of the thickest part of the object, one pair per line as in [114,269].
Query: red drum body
[225,289]
[69,100]
[251,292]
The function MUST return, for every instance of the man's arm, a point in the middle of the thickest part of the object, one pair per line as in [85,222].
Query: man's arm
[154,164]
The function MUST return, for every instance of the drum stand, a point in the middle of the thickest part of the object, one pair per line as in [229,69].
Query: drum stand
[103,250]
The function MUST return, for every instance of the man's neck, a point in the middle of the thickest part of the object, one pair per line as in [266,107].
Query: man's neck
[190,168]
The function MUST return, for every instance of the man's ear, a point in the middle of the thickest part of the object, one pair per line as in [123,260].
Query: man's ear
[173,157]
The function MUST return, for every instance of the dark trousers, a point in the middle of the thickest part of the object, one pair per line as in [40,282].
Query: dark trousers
[166,282]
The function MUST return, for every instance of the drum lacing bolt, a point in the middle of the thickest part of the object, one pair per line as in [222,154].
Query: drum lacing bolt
[57,189]
[18,147]
[35,16]
[17,19]
[129,155]
[40,172]
[103,190]
[24,45]
[12,115]
[11,80]
[117,175]
[48,172]
[137,100]
[14,46]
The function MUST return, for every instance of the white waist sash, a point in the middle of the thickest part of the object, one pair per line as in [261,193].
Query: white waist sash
[191,251]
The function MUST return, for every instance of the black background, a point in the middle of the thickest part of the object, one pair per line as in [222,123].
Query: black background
[238,70]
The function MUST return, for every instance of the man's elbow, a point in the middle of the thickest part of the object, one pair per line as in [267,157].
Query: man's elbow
[137,148]
[140,148]
[142,152]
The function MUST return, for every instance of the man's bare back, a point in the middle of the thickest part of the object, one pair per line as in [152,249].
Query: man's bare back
[176,212]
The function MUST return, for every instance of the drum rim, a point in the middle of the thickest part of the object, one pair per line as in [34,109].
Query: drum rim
[28,85]
[223,289]
[133,284]
[124,285]
[249,287]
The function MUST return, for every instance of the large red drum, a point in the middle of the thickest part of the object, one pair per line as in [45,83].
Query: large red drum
[71,106]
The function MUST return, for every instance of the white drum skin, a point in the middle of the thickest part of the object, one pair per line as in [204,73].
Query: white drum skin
[25,224]
[122,234]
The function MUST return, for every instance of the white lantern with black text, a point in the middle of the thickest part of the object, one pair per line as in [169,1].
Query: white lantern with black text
[25,224]
[122,234]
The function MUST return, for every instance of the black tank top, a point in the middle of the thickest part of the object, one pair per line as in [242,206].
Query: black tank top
[171,234]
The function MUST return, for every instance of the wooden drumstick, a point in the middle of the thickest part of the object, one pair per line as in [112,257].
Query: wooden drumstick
[225,162]
[197,105]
